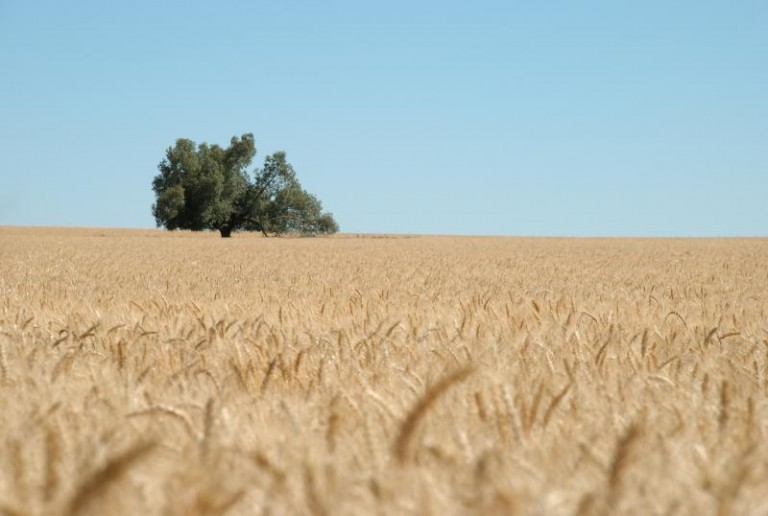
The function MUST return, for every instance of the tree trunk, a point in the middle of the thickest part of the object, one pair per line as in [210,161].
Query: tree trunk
[225,231]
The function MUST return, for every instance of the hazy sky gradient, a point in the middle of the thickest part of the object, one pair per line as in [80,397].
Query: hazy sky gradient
[483,117]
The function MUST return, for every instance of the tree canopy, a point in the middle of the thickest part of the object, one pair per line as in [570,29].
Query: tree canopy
[208,187]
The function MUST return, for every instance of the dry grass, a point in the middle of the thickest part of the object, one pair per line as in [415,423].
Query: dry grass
[144,372]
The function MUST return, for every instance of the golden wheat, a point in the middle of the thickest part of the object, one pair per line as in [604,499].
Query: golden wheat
[332,375]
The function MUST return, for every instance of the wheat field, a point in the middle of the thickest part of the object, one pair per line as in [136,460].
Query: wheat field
[148,372]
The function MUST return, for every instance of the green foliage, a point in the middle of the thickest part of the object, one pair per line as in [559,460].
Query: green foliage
[208,187]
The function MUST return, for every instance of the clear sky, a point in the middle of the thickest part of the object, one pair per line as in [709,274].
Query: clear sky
[481,117]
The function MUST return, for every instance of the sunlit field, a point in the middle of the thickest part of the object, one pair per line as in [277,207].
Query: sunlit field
[152,372]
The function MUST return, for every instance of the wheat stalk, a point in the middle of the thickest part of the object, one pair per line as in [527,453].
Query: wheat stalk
[419,410]
[96,484]
[622,457]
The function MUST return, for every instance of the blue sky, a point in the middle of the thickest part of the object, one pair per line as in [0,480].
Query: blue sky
[484,117]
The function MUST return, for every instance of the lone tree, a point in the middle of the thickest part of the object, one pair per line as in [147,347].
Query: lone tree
[207,187]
